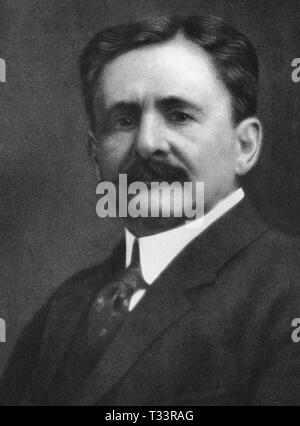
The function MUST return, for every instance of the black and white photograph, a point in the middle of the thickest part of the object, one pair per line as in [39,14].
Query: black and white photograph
[150,205]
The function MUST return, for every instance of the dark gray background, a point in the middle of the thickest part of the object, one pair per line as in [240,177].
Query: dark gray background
[48,224]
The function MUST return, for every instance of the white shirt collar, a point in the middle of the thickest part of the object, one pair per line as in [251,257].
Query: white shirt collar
[158,250]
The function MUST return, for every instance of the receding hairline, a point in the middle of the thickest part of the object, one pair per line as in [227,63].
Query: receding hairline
[180,37]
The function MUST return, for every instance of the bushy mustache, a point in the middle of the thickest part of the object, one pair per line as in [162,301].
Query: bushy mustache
[154,171]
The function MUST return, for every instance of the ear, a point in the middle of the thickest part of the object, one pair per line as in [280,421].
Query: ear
[249,141]
[91,145]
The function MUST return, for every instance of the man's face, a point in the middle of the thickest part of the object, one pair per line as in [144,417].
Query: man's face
[162,113]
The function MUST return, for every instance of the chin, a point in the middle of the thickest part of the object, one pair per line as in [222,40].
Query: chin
[143,226]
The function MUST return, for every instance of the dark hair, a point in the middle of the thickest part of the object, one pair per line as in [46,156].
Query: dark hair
[232,53]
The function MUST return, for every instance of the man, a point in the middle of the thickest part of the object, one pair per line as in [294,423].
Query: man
[180,314]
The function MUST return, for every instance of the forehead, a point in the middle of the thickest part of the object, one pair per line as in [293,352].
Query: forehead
[176,68]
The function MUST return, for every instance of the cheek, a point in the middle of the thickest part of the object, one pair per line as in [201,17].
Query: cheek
[113,154]
[211,152]
[220,158]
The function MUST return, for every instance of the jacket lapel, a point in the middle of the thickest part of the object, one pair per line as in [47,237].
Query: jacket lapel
[147,322]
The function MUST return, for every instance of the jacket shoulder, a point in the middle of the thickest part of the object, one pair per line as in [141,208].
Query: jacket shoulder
[280,248]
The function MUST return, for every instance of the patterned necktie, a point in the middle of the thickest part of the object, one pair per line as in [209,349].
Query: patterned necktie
[112,303]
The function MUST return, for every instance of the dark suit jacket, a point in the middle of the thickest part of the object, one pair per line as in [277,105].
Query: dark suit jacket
[214,328]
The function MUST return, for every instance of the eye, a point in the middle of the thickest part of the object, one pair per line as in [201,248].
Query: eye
[179,117]
[124,123]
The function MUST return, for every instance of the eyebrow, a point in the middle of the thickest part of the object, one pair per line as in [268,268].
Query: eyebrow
[164,103]
[122,106]
[178,102]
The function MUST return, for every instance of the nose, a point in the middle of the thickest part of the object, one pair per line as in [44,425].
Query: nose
[150,137]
